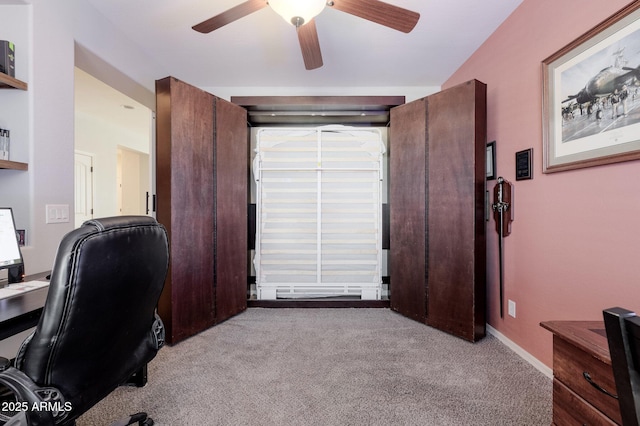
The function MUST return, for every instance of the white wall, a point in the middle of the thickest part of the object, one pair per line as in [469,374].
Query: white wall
[50,30]
[410,93]
[15,25]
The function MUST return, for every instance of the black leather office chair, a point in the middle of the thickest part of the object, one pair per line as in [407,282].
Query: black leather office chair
[99,325]
[623,335]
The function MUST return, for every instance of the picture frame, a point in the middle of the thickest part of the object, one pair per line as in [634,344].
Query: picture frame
[21,234]
[491,160]
[524,164]
[586,120]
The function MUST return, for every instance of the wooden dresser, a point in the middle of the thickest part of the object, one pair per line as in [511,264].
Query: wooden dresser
[582,374]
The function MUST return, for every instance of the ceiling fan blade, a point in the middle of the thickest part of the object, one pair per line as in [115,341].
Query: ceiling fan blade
[379,12]
[310,45]
[233,14]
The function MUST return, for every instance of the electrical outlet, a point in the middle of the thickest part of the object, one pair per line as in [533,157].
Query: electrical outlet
[512,308]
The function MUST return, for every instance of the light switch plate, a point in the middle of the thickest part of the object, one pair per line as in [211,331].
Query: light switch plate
[57,213]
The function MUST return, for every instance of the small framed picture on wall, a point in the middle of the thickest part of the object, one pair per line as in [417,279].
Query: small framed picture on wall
[491,160]
[524,164]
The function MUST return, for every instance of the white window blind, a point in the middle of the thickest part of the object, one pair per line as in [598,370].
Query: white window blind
[318,212]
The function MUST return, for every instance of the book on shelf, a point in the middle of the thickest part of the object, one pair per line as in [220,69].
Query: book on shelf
[5,142]
[8,58]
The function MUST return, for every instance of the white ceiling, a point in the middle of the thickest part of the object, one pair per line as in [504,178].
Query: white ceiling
[94,98]
[262,50]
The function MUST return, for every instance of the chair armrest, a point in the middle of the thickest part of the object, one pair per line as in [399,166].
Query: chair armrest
[42,405]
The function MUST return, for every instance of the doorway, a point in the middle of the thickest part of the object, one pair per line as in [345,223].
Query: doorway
[117,133]
[294,112]
[83,187]
[133,181]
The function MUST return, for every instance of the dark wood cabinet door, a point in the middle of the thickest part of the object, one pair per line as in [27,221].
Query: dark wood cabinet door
[185,191]
[437,201]
[457,168]
[201,185]
[231,152]
[408,209]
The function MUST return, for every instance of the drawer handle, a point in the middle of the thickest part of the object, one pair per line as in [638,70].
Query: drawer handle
[588,378]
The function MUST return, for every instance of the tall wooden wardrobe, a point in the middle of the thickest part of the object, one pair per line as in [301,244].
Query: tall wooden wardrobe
[437,163]
[437,200]
[202,193]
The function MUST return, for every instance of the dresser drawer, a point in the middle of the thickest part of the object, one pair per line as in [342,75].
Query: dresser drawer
[569,409]
[570,364]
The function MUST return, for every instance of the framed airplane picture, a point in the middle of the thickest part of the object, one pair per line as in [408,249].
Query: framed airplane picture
[591,96]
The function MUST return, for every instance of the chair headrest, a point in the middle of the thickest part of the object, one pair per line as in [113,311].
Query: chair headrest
[119,221]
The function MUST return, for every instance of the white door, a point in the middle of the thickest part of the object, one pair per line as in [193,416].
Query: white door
[133,182]
[83,188]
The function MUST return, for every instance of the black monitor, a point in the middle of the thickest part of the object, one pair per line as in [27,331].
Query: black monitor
[10,254]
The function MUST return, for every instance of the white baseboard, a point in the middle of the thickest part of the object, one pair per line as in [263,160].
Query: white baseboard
[521,352]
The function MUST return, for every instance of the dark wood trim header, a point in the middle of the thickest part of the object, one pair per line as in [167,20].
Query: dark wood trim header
[313,110]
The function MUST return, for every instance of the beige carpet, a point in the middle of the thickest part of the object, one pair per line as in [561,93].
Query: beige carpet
[333,367]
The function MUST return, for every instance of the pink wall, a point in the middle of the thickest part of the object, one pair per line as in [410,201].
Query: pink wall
[575,243]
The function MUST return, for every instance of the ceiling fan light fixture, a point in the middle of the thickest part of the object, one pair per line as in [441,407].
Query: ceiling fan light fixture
[298,12]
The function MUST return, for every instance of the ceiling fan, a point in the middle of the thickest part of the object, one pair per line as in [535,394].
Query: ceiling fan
[300,13]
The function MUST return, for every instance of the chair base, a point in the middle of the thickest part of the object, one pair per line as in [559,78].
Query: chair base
[139,378]
[140,418]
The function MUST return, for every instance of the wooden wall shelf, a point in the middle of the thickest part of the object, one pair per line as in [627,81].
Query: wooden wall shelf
[13,165]
[7,82]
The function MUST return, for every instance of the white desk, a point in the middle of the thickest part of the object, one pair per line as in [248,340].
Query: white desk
[17,289]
